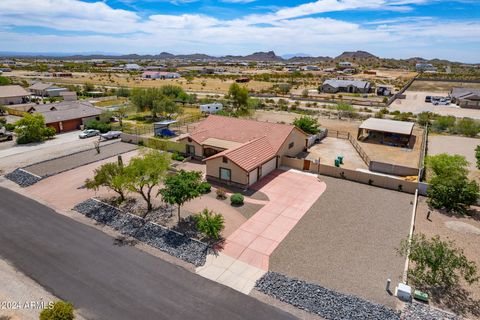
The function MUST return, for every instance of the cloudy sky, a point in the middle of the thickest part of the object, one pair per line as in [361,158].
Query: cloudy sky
[387,28]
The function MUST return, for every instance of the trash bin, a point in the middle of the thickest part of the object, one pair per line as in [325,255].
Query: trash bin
[337,163]
[340,159]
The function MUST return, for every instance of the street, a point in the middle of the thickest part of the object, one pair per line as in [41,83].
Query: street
[80,264]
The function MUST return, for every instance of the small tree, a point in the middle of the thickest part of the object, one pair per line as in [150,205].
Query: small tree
[121,113]
[181,187]
[477,156]
[437,264]
[239,97]
[346,110]
[145,172]
[209,223]
[32,128]
[59,311]
[112,176]
[445,165]
[307,124]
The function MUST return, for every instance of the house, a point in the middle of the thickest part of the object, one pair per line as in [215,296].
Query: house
[240,152]
[62,116]
[132,67]
[389,132]
[13,94]
[311,68]
[68,95]
[211,107]
[425,67]
[350,86]
[42,89]
[345,64]
[160,75]
[465,97]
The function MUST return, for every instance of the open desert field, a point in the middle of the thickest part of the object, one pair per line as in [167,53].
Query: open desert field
[440,86]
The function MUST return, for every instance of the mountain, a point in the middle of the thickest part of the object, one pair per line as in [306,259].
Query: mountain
[309,59]
[263,56]
[295,55]
[355,55]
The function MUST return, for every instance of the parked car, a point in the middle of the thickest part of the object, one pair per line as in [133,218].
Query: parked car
[88,133]
[6,135]
[442,102]
[111,135]
[428,99]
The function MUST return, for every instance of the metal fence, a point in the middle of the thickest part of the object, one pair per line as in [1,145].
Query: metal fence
[360,150]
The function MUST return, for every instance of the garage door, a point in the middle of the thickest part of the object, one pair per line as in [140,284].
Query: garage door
[269,167]
[253,176]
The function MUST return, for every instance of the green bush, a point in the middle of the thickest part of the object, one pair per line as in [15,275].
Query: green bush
[205,187]
[178,157]
[98,125]
[210,224]
[9,126]
[59,311]
[236,199]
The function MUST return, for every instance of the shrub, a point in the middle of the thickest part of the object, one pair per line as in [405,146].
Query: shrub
[205,187]
[209,223]
[178,157]
[59,311]
[98,125]
[236,199]
[221,194]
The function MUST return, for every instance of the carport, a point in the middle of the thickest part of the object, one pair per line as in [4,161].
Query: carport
[389,132]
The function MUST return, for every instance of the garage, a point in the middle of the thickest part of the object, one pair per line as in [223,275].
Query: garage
[268,167]
[253,176]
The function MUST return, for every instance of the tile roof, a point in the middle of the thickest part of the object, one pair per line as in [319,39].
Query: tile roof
[13,91]
[257,141]
[249,155]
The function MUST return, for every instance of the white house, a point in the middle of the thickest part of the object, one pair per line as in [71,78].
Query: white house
[211,107]
[160,75]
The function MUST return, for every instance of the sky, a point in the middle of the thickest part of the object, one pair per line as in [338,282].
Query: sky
[386,28]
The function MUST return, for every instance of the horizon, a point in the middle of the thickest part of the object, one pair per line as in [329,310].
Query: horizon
[398,29]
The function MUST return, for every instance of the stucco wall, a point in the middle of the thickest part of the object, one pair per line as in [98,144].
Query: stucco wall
[298,139]
[238,174]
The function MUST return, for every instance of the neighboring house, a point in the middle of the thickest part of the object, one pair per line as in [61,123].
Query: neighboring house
[132,67]
[62,116]
[466,97]
[240,152]
[69,95]
[42,89]
[211,107]
[350,86]
[160,75]
[311,68]
[13,94]
[425,67]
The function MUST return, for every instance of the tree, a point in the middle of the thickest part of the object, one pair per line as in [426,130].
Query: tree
[477,156]
[59,311]
[145,172]
[4,81]
[88,87]
[467,127]
[112,176]
[307,124]
[181,187]
[346,110]
[284,88]
[450,188]
[444,123]
[166,107]
[424,118]
[305,93]
[239,97]
[32,128]
[437,264]
[209,223]
[121,113]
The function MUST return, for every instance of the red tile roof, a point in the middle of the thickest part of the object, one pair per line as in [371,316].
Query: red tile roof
[261,141]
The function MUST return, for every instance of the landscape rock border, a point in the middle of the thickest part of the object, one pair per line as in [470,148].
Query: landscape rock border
[324,302]
[420,311]
[157,236]
[22,177]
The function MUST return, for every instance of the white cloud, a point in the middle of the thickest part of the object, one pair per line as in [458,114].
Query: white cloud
[284,30]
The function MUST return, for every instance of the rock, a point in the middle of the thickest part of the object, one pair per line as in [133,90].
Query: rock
[324,302]
[420,311]
[22,178]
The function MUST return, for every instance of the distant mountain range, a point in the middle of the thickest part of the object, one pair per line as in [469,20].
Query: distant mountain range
[269,56]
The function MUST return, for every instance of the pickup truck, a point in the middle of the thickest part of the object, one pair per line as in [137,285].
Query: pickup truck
[111,135]
[6,135]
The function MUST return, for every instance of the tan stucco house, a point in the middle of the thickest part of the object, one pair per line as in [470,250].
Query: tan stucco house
[239,151]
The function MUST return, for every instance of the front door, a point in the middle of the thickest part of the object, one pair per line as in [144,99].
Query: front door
[306,164]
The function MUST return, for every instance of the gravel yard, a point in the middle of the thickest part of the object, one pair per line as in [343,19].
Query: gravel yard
[64,163]
[347,240]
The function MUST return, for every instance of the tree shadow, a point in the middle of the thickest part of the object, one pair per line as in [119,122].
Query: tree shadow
[457,299]
[124,241]
[472,212]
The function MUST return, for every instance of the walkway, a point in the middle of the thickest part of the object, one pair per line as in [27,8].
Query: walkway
[245,256]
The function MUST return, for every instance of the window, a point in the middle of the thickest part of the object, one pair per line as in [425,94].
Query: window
[190,149]
[225,159]
[225,174]
[290,145]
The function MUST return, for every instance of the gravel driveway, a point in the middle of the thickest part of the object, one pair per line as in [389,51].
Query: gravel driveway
[54,166]
[347,240]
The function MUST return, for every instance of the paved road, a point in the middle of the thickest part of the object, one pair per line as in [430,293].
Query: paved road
[81,264]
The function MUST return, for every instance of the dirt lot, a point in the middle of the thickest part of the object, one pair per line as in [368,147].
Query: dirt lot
[456,145]
[330,148]
[440,86]
[415,103]
[347,240]
[383,153]
[465,231]
[51,167]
